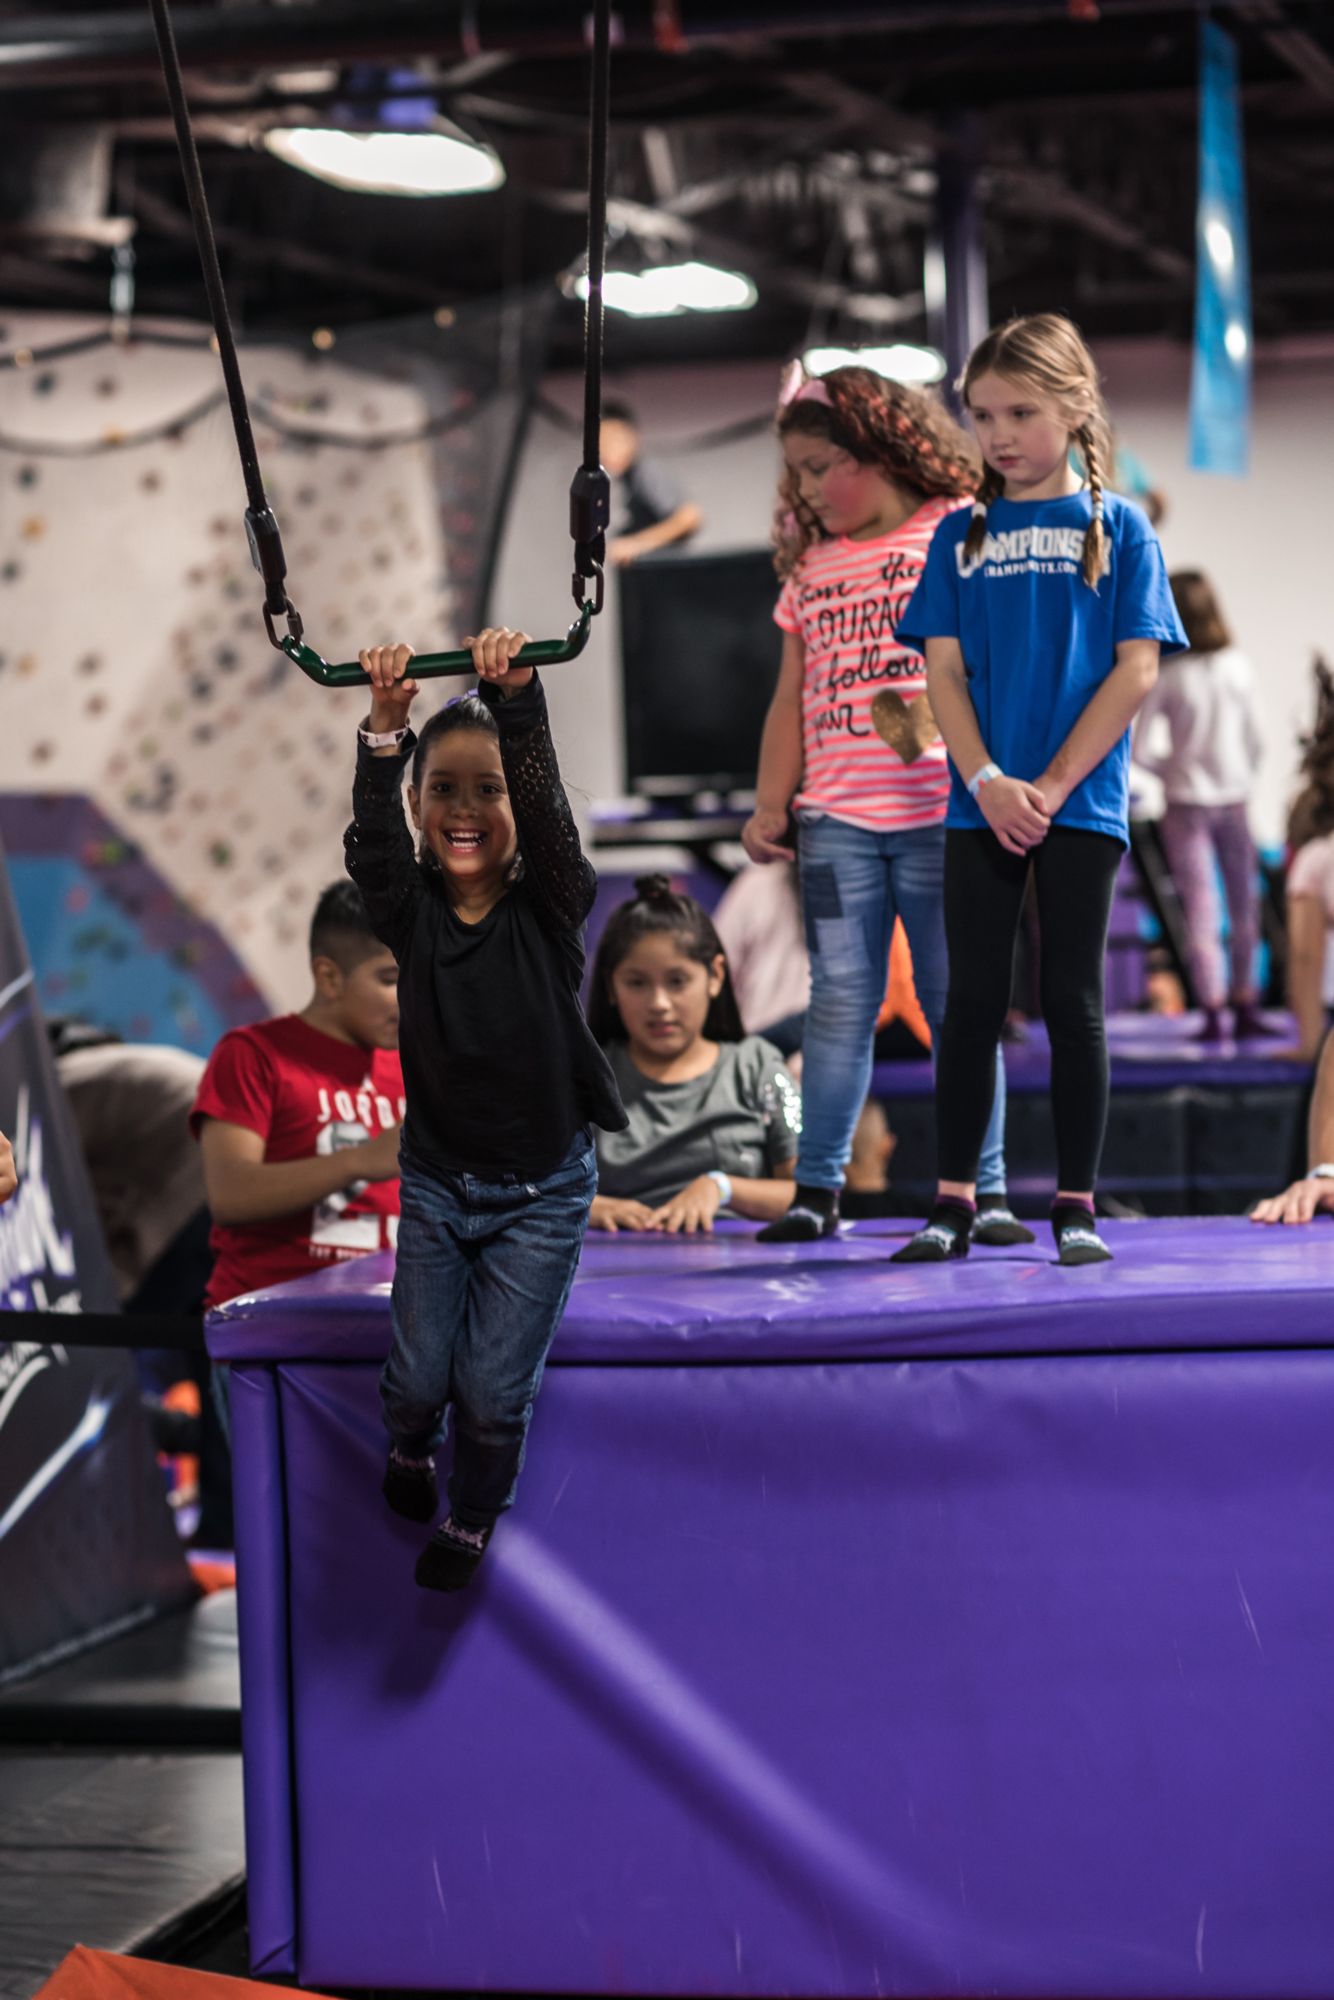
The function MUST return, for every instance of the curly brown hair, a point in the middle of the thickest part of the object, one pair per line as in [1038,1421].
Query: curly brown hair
[1311,815]
[908,433]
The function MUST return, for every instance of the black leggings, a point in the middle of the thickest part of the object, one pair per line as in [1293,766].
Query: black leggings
[1074,874]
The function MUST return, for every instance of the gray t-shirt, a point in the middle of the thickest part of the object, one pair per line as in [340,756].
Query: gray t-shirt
[743,1115]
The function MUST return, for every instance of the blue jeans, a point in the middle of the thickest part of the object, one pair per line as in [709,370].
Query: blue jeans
[483,1275]
[854,883]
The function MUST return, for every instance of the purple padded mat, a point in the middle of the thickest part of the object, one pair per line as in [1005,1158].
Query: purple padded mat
[1148,1052]
[974,1677]
[1200,1281]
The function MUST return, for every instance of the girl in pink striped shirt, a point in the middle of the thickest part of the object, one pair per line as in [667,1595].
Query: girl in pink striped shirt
[871,468]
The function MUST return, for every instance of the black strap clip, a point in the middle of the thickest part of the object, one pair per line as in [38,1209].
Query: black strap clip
[266,553]
[590,511]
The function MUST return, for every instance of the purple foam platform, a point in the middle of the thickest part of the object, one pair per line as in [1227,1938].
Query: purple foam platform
[1148,1052]
[803,1667]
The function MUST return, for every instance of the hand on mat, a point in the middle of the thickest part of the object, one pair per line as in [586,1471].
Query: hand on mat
[394,689]
[690,1211]
[762,836]
[614,1216]
[9,1179]
[1299,1203]
[1016,812]
[492,652]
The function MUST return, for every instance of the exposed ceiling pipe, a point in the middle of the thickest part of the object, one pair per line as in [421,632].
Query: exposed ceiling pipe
[70,47]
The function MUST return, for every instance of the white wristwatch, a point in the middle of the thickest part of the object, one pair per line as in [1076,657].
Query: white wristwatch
[383,739]
[983,777]
[1324,1172]
[723,1183]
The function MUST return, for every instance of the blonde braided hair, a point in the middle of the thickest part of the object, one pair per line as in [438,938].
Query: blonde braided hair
[1045,352]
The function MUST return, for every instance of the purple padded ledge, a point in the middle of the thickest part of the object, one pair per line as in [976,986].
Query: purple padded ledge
[1148,1052]
[1208,1282]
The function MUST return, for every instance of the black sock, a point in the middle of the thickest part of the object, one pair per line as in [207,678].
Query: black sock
[813,1214]
[948,1229]
[1074,1226]
[997,1223]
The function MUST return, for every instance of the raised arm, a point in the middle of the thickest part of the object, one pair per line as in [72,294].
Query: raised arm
[378,847]
[558,872]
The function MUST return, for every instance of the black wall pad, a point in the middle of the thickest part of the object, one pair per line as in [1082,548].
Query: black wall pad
[175,1682]
[110,1850]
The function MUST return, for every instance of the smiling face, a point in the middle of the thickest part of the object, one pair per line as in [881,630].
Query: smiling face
[463,812]
[845,496]
[1023,437]
[663,996]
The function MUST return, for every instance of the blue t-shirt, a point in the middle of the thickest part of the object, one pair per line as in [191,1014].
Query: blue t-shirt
[1037,642]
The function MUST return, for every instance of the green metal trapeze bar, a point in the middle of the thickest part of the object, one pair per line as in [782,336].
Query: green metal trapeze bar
[431,666]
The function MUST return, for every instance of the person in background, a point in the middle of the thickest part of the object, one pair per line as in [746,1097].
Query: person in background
[713,1112]
[1315,1190]
[1197,731]
[760,925]
[1310,882]
[871,470]
[1042,618]
[297,1119]
[657,513]
[9,1179]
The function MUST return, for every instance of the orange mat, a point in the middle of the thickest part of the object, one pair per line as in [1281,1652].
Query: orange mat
[104,1975]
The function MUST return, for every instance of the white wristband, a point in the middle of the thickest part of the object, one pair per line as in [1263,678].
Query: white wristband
[1324,1172]
[723,1183]
[983,777]
[383,739]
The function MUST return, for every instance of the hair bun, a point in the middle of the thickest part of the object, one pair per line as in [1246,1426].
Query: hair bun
[654,889]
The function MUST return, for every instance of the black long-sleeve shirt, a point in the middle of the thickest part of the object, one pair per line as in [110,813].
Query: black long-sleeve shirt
[498,1063]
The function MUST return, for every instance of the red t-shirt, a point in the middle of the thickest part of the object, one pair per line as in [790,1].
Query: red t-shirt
[305,1094]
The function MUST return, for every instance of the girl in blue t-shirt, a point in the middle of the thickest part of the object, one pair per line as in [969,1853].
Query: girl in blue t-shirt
[1042,616]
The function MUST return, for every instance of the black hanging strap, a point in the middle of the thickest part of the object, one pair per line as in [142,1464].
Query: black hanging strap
[266,543]
[590,490]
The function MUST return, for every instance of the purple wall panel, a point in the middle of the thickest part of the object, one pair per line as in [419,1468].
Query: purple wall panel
[1000,1676]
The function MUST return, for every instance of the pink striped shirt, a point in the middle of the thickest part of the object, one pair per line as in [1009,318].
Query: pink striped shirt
[871,753]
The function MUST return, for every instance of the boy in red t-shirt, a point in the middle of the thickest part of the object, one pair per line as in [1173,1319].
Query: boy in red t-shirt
[298,1118]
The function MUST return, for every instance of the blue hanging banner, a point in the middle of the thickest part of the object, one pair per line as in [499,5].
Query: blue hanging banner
[1220,383]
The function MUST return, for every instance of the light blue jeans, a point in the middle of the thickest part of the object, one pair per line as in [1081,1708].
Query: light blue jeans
[854,884]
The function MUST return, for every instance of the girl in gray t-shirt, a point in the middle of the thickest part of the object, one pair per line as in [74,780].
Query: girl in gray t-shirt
[714,1114]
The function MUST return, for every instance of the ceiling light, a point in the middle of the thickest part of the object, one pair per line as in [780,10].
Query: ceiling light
[663,289]
[901,362]
[410,163]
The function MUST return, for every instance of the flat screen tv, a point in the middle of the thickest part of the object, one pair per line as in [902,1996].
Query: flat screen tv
[700,654]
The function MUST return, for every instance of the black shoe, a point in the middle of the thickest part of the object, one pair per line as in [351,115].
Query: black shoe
[998,1225]
[449,1560]
[410,1488]
[1077,1238]
[945,1237]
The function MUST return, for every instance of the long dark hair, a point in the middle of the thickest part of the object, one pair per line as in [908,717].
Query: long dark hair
[468,712]
[657,908]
